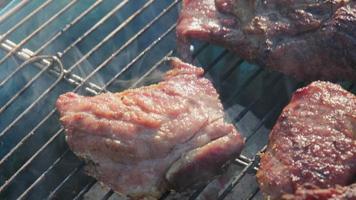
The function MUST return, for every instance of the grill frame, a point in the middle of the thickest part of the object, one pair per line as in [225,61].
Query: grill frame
[53,65]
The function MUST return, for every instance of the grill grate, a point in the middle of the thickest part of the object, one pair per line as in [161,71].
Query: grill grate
[51,47]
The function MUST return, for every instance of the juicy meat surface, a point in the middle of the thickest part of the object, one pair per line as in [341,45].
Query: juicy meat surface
[315,193]
[142,142]
[312,142]
[308,39]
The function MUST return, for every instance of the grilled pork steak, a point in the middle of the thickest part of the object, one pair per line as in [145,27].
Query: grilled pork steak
[314,193]
[308,39]
[313,142]
[144,141]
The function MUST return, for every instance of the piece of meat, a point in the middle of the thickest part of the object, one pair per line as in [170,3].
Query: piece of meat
[142,142]
[312,142]
[315,193]
[308,39]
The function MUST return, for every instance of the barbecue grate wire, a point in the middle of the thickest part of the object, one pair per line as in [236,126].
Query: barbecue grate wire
[35,161]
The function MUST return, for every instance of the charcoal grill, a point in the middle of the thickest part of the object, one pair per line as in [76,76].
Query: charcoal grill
[50,47]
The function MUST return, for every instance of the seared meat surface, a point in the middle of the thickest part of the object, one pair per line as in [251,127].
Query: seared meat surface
[313,142]
[308,39]
[315,193]
[142,142]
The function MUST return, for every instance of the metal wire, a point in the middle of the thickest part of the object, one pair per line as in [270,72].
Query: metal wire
[7,182]
[89,76]
[60,65]
[25,19]
[107,195]
[84,190]
[94,27]
[59,131]
[53,38]
[111,34]
[70,175]
[40,28]
[13,10]
[108,60]
[43,175]
[248,163]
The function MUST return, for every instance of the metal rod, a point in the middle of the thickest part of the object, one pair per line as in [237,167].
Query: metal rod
[144,29]
[53,110]
[13,10]
[231,70]
[43,175]
[271,85]
[196,53]
[84,190]
[244,85]
[45,144]
[8,181]
[108,195]
[111,34]
[76,170]
[235,180]
[253,193]
[133,61]
[70,175]
[40,97]
[93,28]
[23,89]
[22,21]
[54,37]
[154,67]
[30,36]
[216,60]
[69,25]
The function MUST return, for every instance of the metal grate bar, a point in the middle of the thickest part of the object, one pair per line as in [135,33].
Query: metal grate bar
[108,195]
[85,189]
[271,84]
[235,181]
[53,38]
[216,60]
[154,43]
[40,123]
[40,97]
[253,194]
[13,10]
[84,81]
[71,174]
[69,25]
[30,36]
[231,70]
[29,83]
[154,67]
[43,175]
[93,28]
[6,184]
[82,164]
[25,19]
[249,163]
[237,92]
[243,160]
[111,34]
[138,34]
[196,53]
[253,163]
